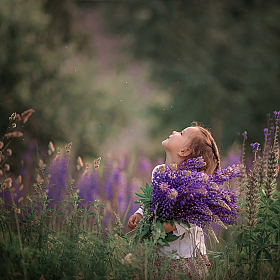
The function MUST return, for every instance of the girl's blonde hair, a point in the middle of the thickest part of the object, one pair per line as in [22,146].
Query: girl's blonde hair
[205,146]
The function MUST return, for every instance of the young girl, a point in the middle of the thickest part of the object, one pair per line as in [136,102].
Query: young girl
[192,142]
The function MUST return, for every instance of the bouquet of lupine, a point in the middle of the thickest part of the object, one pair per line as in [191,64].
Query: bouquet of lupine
[186,195]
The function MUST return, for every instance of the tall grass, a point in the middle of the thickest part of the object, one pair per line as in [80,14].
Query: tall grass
[254,251]
[74,226]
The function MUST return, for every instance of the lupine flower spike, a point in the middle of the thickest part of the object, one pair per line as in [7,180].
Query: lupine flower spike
[252,189]
[272,161]
[182,193]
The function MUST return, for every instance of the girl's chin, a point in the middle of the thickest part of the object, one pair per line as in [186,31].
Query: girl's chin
[164,142]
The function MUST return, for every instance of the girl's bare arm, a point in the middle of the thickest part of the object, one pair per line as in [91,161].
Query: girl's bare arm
[168,227]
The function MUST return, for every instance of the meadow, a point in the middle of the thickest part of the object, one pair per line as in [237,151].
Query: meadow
[72,222]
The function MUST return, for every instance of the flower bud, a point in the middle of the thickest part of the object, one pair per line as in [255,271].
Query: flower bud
[14,134]
[9,152]
[26,115]
[8,183]
[19,179]
[7,167]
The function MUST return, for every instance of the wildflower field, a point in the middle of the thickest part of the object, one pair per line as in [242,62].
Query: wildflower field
[71,222]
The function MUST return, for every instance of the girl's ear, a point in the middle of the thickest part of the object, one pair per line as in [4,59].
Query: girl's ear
[184,152]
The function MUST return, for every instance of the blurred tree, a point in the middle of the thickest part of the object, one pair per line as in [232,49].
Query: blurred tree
[219,60]
[37,42]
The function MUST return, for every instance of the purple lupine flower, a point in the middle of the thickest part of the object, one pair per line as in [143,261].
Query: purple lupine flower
[183,193]
[107,178]
[122,196]
[256,147]
[273,123]
[245,135]
[276,117]
[57,179]
[112,179]
[268,117]
[87,187]
[232,158]
[266,133]
[145,166]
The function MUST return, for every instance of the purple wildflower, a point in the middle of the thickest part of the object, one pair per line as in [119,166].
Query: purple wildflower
[87,187]
[245,135]
[58,175]
[122,198]
[266,133]
[183,193]
[268,117]
[144,166]
[255,147]
[276,117]
[112,176]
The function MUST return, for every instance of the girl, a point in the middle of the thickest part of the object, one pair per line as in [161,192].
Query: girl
[192,142]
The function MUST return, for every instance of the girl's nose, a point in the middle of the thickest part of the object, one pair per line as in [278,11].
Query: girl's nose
[173,132]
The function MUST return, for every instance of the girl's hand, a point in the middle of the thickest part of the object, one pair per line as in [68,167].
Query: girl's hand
[133,219]
[168,227]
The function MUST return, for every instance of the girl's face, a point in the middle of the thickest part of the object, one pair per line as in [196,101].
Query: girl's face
[179,141]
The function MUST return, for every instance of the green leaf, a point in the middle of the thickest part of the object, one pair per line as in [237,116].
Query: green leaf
[163,243]
[266,238]
[146,229]
[275,209]
[259,251]
[141,195]
[239,240]
[149,188]
[272,224]
[276,202]
[160,226]
[267,256]
[142,189]
[188,224]
[171,238]
[277,237]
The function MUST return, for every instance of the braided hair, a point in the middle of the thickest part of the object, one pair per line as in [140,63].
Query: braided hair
[204,145]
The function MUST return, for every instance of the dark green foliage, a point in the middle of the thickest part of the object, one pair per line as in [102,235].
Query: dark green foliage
[218,60]
[254,252]
[45,64]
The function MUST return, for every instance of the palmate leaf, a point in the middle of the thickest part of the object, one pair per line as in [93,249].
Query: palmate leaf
[146,196]
[141,195]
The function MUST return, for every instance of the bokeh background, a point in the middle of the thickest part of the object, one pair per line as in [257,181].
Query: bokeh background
[115,78]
